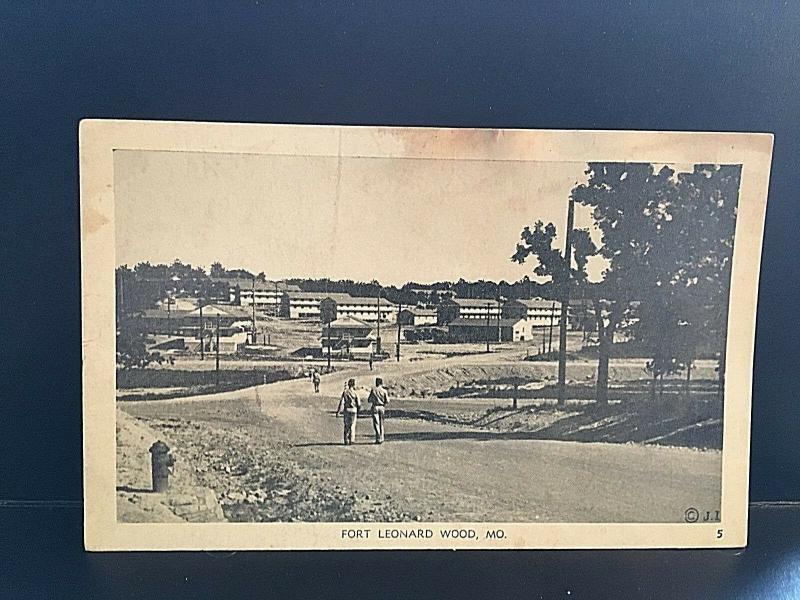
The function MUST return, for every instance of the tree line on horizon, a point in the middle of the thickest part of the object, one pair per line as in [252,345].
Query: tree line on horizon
[142,286]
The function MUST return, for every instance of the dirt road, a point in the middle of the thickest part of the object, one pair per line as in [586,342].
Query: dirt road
[440,472]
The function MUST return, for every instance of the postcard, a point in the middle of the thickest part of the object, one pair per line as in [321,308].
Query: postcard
[338,337]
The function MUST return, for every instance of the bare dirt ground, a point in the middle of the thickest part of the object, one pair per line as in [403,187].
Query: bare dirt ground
[186,499]
[289,334]
[280,440]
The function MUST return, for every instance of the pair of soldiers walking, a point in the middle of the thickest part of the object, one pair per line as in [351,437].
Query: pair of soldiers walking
[350,404]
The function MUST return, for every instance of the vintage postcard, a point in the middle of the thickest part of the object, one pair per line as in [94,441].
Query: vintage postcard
[326,337]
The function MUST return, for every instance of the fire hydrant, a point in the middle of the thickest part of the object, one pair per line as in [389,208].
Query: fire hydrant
[162,463]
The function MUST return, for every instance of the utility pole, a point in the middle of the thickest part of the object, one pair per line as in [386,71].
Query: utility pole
[552,316]
[202,333]
[216,366]
[499,326]
[378,341]
[329,345]
[488,326]
[399,309]
[169,301]
[562,332]
[166,293]
[253,298]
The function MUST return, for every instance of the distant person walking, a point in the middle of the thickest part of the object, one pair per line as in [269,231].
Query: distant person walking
[349,405]
[315,379]
[370,362]
[378,398]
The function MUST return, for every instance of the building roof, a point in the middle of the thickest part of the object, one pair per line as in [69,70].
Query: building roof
[223,310]
[336,296]
[537,302]
[176,300]
[365,300]
[162,313]
[421,312]
[473,302]
[348,323]
[461,322]
[580,302]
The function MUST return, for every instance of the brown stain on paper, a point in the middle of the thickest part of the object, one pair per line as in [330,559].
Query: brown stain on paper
[454,143]
[93,220]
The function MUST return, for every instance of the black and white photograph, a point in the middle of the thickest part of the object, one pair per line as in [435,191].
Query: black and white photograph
[424,332]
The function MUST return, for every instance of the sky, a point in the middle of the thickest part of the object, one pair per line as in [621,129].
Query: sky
[390,219]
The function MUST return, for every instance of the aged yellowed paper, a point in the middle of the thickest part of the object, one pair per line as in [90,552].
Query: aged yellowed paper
[328,337]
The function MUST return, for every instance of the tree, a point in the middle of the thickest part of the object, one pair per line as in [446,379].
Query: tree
[627,201]
[707,222]
[327,311]
[630,205]
[684,301]
[217,270]
[667,337]
[137,289]
[668,240]
[552,263]
[132,350]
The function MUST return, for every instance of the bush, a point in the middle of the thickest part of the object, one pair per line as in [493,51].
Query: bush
[132,351]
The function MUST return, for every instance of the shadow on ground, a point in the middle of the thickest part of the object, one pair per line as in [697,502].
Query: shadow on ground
[478,436]
[672,419]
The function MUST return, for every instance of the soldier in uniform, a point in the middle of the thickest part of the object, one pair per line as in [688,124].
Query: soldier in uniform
[378,398]
[315,379]
[349,405]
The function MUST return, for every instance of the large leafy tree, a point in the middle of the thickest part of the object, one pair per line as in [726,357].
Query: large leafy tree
[667,240]
[685,303]
[630,204]
[626,201]
[704,221]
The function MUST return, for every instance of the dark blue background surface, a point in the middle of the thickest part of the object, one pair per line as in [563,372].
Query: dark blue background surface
[41,558]
[721,66]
